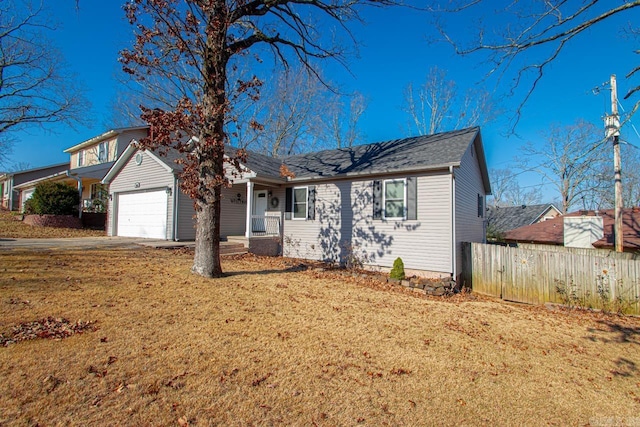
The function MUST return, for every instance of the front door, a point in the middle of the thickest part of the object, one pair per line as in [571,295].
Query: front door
[259,210]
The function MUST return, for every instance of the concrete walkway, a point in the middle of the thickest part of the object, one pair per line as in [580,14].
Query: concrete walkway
[88,243]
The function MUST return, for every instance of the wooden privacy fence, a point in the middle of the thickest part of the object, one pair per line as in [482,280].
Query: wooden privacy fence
[536,274]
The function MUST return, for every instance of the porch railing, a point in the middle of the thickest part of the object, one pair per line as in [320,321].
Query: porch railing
[265,225]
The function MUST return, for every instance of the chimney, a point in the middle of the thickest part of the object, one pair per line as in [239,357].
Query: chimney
[582,231]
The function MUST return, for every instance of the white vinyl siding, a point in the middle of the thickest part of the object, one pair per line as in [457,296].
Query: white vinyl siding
[186,217]
[344,226]
[149,175]
[233,220]
[469,189]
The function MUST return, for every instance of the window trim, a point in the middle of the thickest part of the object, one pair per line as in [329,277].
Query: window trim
[306,203]
[384,199]
[80,160]
[104,144]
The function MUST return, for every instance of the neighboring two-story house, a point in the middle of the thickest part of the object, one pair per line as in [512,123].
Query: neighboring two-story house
[11,183]
[89,162]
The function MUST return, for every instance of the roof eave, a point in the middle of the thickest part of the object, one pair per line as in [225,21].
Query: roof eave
[384,172]
[109,134]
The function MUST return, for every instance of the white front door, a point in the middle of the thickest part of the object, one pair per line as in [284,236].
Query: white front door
[259,210]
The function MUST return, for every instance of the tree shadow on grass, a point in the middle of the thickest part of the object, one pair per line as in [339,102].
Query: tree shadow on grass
[615,333]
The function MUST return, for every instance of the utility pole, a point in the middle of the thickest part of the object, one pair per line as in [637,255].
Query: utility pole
[612,130]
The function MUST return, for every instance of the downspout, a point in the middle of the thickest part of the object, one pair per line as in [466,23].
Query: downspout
[79,190]
[10,184]
[175,208]
[453,224]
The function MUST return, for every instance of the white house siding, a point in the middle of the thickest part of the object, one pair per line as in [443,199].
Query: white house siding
[469,226]
[149,175]
[344,226]
[186,217]
[233,211]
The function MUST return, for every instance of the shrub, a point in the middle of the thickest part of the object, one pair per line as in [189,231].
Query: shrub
[28,207]
[54,198]
[397,272]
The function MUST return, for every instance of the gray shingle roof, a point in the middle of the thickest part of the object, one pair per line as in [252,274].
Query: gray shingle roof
[262,165]
[505,218]
[421,152]
[408,154]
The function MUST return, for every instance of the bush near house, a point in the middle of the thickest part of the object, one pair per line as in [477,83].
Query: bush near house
[53,198]
[397,272]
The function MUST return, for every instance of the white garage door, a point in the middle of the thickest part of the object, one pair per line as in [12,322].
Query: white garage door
[143,214]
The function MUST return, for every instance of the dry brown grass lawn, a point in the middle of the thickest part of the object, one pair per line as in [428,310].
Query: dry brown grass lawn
[11,227]
[266,346]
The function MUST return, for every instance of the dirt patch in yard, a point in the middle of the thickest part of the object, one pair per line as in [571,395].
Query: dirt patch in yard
[13,228]
[270,344]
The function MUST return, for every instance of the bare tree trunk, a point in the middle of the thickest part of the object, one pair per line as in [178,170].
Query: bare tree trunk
[206,261]
[211,176]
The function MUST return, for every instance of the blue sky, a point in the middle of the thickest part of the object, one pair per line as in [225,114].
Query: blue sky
[394,50]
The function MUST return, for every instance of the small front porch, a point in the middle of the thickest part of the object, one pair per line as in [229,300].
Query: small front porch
[253,216]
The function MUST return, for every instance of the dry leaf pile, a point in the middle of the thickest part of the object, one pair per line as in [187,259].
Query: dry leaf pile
[51,328]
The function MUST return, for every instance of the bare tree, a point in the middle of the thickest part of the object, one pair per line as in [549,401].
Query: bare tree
[537,33]
[507,190]
[343,122]
[569,160]
[35,87]
[290,113]
[436,105]
[207,38]
[630,187]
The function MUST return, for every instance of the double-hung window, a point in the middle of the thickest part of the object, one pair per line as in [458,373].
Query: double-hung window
[80,158]
[103,152]
[395,198]
[300,197]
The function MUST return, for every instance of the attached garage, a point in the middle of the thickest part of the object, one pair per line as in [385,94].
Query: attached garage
[142,214]
[145,199]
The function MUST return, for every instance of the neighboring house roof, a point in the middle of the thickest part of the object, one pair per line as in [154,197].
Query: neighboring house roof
[109,134]
[20,177]
[413,154]
[53,177]
[551,232]
[92,172]
[505,218]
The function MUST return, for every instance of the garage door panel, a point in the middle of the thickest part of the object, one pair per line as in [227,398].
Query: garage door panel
[143,214]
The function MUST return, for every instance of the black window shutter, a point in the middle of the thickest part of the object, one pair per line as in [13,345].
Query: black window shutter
[412,198]
[311,209]
[377,199]
[480,206]
[288,202]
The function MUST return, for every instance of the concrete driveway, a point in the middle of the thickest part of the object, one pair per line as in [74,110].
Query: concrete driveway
[87,243]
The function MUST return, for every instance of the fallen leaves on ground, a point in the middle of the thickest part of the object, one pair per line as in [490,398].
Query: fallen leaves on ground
[52,328]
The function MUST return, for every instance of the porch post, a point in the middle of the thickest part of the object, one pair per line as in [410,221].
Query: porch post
[247,232]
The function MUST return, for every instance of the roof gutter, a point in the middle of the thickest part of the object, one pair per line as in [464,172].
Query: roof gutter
[349,175]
